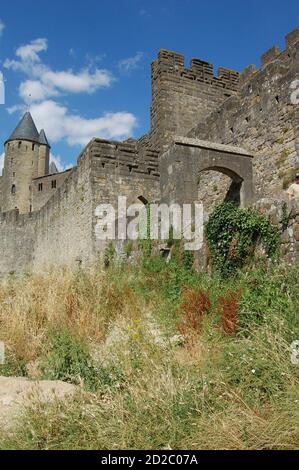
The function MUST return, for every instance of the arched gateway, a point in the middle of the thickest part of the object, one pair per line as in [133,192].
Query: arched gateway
[181,164]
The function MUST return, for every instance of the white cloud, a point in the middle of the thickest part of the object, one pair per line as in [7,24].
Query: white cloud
[132,63]
[1,163]
[33,90]
[58,162]
[84,81]
[16,107]
[28,61]
[44,83]
[29,52]
[60,124]
[2,26]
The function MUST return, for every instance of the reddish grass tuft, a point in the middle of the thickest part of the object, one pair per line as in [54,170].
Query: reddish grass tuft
[195,305]
[228,309]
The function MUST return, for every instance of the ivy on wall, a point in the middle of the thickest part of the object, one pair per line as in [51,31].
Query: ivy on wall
[233,233]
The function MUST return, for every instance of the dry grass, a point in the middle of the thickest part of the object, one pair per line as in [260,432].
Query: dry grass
[154,388]
[85,304]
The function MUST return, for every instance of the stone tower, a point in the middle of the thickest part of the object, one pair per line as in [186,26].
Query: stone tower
[26,157]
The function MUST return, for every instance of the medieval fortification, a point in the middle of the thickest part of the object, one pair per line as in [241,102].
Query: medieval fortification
[213,137]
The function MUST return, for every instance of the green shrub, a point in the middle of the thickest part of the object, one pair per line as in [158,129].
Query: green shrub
[153,388]
[233,234]
[68,359]
[109,254]
[13,365]
[128,248]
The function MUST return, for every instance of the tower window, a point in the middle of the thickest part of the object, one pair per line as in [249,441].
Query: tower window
[19,144]
[40,186]
[13,174]
[13,189]
[53,184]
[33,145]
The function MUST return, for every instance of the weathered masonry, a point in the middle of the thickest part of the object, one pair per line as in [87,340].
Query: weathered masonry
[182,164]
[229,135]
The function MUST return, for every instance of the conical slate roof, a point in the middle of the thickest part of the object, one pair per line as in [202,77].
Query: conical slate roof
[43,138]
[52,168]
[25,130]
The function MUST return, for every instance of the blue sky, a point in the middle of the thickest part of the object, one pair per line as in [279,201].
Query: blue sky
[83,68]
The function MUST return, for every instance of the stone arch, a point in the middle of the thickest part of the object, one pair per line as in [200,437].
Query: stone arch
[221,169]
[231,189]
[181,164]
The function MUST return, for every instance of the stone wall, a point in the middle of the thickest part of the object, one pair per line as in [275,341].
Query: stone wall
[127,169]
[64,224]
[58,234]
[181,97]
[262,119]
[285,215]
[186,158]
[50,183]
[62,232]
[17,236]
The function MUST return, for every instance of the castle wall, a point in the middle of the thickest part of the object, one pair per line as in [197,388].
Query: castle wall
[187,158]
[181,97]
[62,232]
[127,169]
[17,237]
[63,226]
[285,215]
[41,195]
[263,120]
[253,111]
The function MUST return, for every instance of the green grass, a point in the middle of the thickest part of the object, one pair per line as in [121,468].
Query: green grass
[145,387]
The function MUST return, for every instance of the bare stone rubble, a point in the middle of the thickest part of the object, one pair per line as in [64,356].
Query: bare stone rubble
[17,392]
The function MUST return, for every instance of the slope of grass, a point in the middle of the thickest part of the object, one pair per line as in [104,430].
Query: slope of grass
[167,358]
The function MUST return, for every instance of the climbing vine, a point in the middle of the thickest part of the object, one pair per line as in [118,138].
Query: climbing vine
[145,242]
[233,233]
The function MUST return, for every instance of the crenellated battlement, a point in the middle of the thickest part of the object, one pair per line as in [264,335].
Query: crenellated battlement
[182,96]
[171,62]
[128,158]
[263,118]
[274,55]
